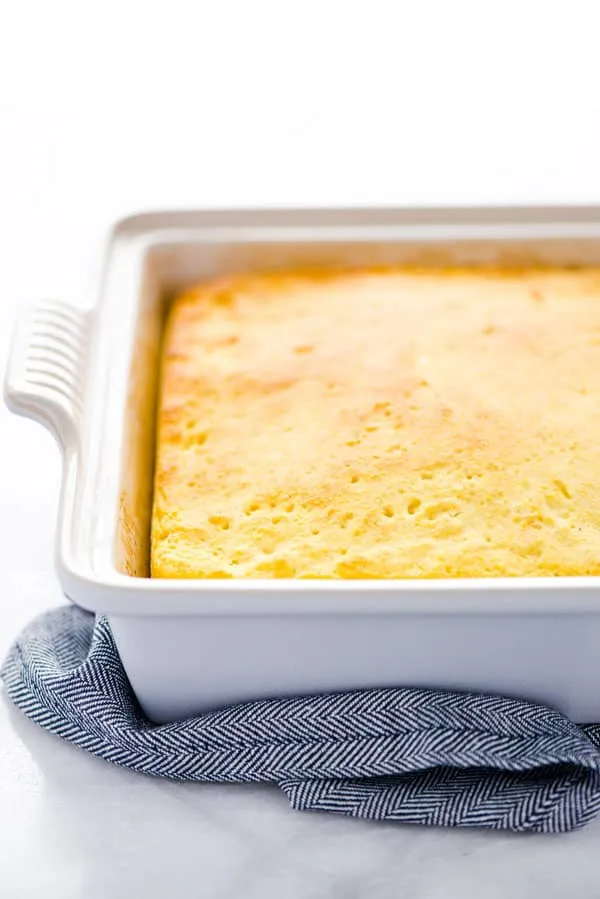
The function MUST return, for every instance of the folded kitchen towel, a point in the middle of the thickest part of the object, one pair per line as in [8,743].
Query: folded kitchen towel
[413,756]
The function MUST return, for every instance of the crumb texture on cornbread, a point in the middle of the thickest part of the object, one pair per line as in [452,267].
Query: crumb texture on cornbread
[381,424]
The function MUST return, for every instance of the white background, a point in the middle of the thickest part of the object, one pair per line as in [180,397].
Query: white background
[113,107]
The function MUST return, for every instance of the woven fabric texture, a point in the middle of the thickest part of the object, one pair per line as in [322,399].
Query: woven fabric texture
[406,755]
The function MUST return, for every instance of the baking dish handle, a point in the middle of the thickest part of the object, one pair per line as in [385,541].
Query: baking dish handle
[45,368]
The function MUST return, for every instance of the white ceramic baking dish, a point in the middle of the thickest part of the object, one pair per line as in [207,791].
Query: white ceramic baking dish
[90,376]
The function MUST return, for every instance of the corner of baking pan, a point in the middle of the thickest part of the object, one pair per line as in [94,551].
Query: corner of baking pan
[110,592]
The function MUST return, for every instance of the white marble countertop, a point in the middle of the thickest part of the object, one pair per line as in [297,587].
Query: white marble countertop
[98,125]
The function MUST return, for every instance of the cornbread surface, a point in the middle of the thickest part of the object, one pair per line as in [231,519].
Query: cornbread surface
[381,424]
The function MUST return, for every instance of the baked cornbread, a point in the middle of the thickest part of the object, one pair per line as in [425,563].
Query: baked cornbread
[381,424]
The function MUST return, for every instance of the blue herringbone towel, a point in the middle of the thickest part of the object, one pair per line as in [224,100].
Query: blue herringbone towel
[416,756]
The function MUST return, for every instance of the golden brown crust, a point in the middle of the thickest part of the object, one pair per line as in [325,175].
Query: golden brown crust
[381,424]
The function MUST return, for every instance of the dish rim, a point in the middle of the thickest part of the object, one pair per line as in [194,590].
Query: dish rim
[101,587]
